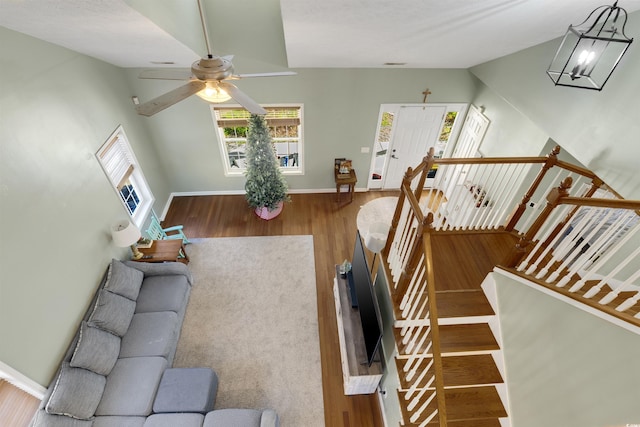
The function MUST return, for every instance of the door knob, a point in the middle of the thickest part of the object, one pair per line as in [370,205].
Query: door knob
[393,154]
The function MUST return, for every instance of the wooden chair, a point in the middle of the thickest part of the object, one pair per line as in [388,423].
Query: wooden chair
[156,232]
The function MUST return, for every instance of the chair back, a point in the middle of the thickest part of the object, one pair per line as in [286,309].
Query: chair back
[155,231]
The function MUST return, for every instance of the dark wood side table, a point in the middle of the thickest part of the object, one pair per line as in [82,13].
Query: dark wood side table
[165,251]
[350,181]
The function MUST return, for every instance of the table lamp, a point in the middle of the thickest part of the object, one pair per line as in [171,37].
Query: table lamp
[124,234]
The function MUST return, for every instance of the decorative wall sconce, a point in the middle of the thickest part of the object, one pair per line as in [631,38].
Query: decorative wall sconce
[590,51]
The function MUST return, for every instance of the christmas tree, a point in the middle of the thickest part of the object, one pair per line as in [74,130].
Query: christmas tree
[265,186]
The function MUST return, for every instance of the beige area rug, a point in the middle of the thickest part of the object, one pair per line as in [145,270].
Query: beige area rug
[253,318]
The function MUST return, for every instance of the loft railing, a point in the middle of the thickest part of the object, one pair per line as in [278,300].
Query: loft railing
[587,248]
[486,195]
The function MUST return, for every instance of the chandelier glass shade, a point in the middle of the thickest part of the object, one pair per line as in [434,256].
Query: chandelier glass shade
[213,93]
[591,51]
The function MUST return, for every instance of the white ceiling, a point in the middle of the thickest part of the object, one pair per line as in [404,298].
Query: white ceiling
[315,34]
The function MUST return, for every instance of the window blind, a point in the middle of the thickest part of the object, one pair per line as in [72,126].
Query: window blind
[117,162]
[276,116]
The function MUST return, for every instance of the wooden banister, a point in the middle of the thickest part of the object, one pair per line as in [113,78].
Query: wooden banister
[433,321]
[553,199]
[552,159]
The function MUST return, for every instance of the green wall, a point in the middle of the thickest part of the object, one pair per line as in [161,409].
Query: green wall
[340,116]
[57,107]
[600,129]
[56,205]
[565,367]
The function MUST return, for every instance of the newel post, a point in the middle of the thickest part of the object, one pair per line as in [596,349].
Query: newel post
[554,198]
[552,160]
[428,161]
[406,183]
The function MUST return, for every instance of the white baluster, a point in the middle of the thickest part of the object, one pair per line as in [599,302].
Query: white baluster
[630,302]
[614,293]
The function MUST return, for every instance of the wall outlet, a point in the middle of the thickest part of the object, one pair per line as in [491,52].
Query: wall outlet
[364,150]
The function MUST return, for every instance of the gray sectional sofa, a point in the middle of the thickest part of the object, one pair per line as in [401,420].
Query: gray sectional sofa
[112,372]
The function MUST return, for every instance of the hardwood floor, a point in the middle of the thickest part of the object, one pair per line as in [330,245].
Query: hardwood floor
[333,227]
[16,406]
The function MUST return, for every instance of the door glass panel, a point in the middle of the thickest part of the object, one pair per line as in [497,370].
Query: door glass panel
[382,145]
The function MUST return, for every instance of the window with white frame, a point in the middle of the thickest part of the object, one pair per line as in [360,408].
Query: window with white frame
[285,128]
[121,167]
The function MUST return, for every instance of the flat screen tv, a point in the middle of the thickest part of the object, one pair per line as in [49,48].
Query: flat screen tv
[365,300]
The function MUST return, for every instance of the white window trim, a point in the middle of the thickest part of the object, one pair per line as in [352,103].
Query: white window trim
[241,173]
[135,175]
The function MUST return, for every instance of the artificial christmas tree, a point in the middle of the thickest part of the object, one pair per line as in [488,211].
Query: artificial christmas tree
[266,189]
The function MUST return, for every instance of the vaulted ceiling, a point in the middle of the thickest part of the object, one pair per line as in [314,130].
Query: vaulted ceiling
[267,35]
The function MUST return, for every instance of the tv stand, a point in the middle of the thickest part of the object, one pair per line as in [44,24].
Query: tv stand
[358,378]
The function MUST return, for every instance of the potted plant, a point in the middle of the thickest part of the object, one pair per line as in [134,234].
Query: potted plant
[266,188]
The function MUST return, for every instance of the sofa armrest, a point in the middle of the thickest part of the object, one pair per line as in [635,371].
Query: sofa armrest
[162,269]
[269,418]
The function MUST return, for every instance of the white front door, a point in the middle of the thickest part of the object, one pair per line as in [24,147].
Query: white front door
[417,129]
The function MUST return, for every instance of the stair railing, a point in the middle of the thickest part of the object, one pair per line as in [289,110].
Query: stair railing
[409,260]
[586,248]
[478,195]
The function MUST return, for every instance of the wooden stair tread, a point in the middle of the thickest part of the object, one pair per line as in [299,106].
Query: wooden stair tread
[463,404]
[468,337]
[458,371]
[463,304]
[472,337]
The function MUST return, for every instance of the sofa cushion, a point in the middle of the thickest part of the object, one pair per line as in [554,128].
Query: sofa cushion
[162,269]
[233,418]
[112,313]
[151,334]
[117,421]
[123,280]
[42,419]
[96,350]
[76,393]
[175,420]
[186,390]
[132,386]
[163,293]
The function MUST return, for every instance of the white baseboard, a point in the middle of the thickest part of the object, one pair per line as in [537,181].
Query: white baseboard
[21,381]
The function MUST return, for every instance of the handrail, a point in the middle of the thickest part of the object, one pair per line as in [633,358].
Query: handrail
[486,195]
[591,243]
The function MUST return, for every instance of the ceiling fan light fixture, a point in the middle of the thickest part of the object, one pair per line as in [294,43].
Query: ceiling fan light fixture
[213,93]
[590,51]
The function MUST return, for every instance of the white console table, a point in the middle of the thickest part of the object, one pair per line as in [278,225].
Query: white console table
[358,378]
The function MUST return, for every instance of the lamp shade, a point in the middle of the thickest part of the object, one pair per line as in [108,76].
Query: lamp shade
[590,51]
[124,233]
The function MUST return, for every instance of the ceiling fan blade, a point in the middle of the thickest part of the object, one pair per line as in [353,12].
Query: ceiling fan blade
[249,104]
[168,99]
[276,74]
[167,74]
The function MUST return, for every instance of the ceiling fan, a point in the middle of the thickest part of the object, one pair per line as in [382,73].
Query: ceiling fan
[207,79]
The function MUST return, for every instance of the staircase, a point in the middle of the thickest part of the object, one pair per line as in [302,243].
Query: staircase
[474,387]
[438,255]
